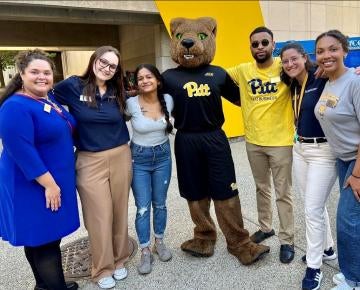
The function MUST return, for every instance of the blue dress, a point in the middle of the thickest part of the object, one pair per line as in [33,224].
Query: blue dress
[35,140]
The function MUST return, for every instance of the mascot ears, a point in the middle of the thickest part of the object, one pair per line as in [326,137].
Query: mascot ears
[208,22]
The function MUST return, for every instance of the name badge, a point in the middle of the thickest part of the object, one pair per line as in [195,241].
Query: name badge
[332,101]
[84,98]
[275,79]
[47,108]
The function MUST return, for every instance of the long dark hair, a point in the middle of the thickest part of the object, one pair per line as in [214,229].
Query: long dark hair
[116,82]
[308,64]
[160,95]
[22,60]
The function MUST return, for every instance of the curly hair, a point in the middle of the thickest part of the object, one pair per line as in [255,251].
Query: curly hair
[22,61]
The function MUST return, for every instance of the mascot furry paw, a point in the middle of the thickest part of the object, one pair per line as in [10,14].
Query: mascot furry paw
[203,157]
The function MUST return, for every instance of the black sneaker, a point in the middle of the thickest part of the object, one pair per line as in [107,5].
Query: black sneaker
[312,279]
[260,236]
[328,255]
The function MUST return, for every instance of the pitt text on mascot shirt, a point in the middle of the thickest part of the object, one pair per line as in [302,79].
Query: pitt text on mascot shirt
[197,96]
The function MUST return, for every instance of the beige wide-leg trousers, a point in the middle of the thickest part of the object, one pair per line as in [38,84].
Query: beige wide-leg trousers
[103,183]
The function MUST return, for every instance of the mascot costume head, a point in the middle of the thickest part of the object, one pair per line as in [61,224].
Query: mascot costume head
[193,41]
[203,156]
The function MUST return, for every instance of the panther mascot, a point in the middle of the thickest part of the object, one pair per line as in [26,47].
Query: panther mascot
[204,163]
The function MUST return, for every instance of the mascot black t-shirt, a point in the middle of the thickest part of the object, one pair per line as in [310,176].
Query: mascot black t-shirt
[197,96]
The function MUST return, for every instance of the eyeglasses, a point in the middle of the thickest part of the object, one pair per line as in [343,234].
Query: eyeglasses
[291,60]
[104,64]
[263,42]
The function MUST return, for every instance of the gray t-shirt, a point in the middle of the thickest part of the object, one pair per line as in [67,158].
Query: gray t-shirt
[338,111]
[146,131]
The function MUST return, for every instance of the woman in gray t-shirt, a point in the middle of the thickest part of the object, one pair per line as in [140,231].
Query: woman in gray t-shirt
[338,111]
[151,155]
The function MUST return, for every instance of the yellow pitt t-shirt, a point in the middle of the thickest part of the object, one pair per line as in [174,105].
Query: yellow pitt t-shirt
[265,103]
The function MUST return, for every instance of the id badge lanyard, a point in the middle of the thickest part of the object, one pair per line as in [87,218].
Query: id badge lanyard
[48,105]
[297,103]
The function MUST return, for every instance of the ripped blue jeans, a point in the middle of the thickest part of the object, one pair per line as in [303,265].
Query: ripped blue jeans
[150,183]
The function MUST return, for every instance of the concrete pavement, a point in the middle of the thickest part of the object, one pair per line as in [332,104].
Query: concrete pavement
[222,271]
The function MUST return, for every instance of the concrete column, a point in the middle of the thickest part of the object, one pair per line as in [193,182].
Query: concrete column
[136,45]
[162,48]
[75,62]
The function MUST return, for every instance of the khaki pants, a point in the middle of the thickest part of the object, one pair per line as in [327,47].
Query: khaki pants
[103,183]
[276,161]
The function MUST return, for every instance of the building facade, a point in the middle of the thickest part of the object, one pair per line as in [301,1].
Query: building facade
[135,27]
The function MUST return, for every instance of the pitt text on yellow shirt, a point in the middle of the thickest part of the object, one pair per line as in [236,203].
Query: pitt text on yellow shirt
[265,103]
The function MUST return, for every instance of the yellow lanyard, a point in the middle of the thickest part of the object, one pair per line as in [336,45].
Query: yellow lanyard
[298,98]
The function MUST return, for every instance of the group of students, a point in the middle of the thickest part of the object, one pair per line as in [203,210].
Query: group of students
[325,145]
[39,172]
[327,139]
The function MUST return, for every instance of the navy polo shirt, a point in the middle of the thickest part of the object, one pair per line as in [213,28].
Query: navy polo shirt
[308,125]
[98,128]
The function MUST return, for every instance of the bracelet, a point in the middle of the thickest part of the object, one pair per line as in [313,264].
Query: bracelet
[358,177]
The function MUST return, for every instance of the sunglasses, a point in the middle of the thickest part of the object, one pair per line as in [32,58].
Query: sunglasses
[263,42]
[103,63]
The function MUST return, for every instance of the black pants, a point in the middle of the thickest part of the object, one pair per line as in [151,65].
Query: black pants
[45,262]
[204,165]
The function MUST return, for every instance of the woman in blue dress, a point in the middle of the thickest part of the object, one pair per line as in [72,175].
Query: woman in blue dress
[38,205]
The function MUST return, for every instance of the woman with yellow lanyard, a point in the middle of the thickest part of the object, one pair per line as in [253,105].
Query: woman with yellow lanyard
[313,161]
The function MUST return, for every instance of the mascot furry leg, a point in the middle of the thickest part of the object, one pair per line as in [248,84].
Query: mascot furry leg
[229,217]
[203,243]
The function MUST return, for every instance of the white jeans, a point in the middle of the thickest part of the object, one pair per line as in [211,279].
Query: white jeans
[315,172]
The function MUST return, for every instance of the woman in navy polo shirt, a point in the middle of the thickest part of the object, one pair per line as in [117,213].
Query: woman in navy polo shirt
[97,101]
[314,163]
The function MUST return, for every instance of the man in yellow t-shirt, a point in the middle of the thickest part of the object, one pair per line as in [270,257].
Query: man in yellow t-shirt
[269,131]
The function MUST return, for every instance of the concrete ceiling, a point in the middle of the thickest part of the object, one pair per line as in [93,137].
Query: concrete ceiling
[19,11]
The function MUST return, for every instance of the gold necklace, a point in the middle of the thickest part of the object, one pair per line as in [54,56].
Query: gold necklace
[55,106]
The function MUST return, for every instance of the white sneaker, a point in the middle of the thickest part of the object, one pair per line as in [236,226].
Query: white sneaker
[329,254]
[338,278]
[345,286]
[106,283]
[120,274]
